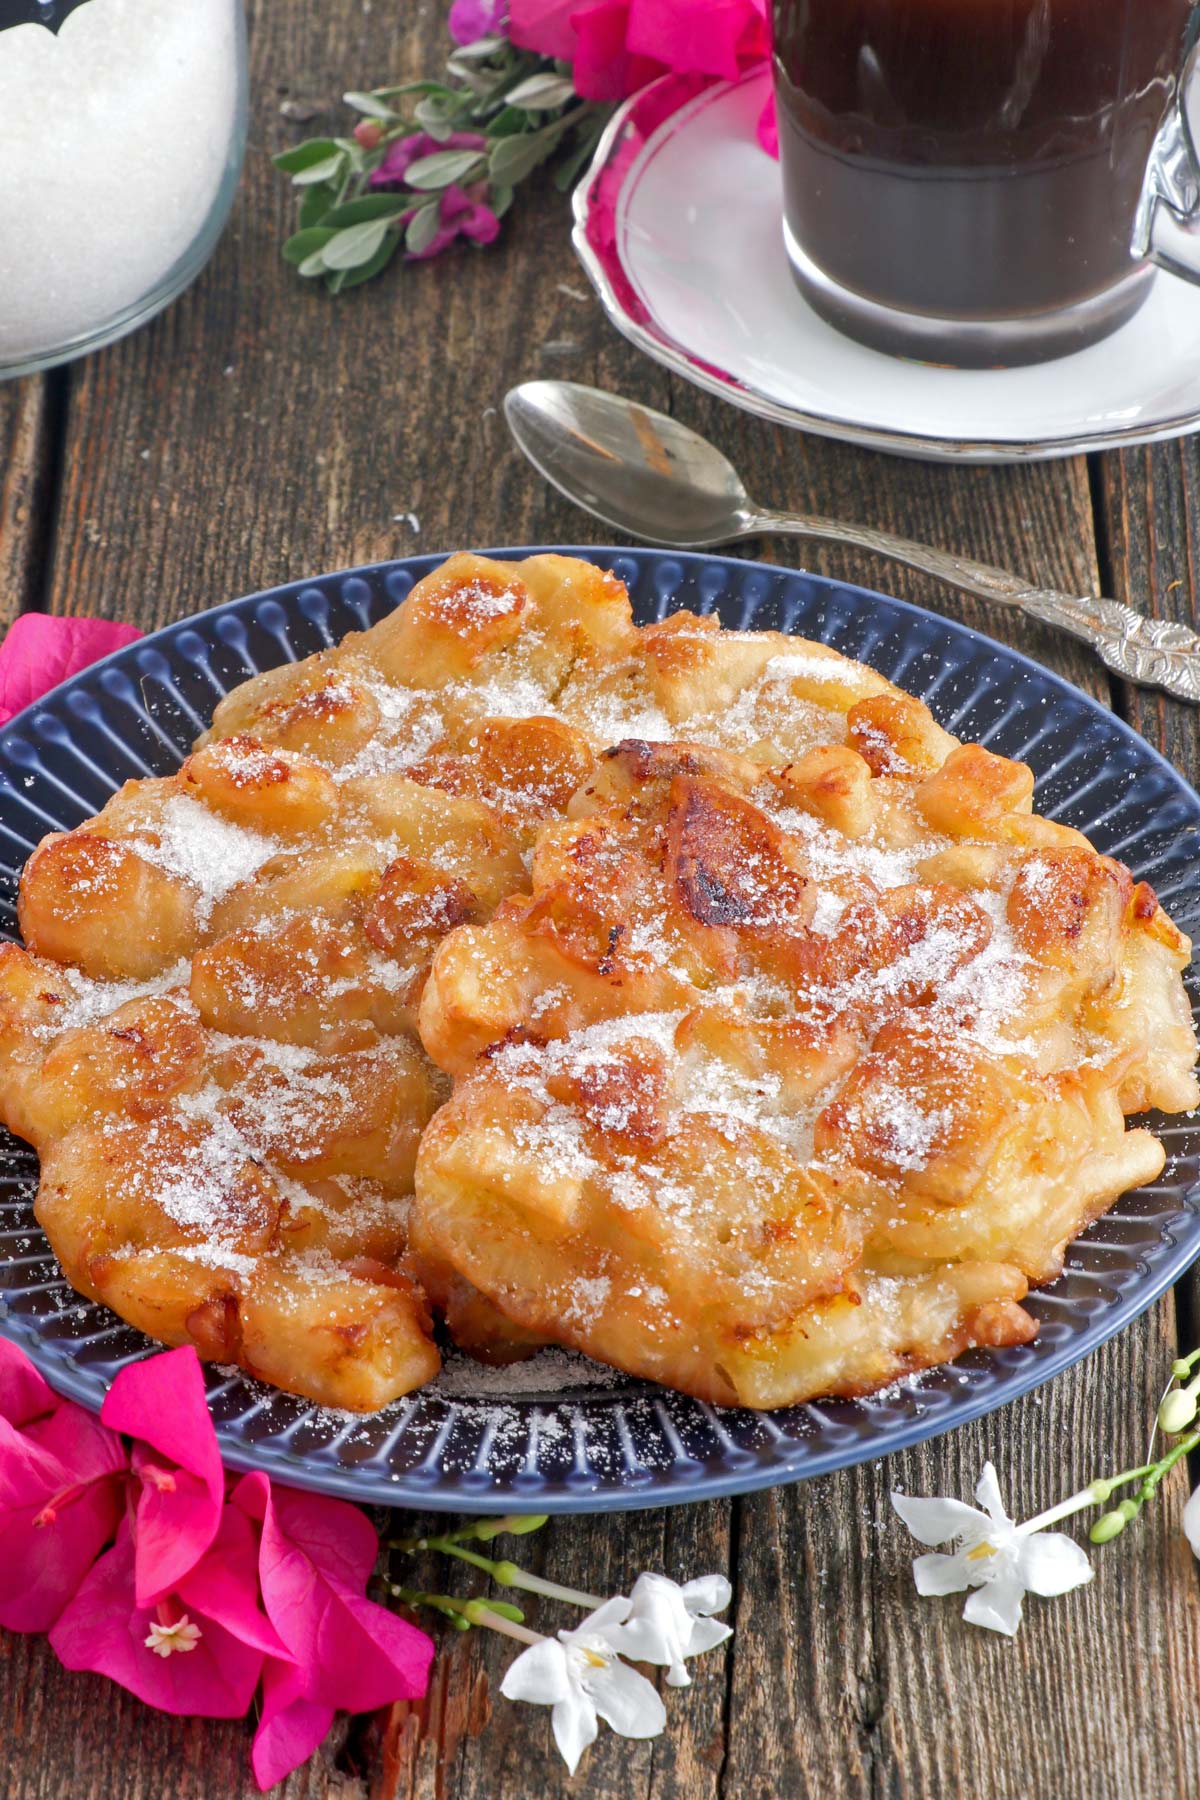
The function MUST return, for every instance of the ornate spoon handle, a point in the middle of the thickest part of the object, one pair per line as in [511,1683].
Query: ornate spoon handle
[1152,652]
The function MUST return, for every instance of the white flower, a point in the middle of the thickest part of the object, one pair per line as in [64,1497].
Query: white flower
[1000,1560]
[667,1622]
[165,1640]
[1191,1522]
[580,1675]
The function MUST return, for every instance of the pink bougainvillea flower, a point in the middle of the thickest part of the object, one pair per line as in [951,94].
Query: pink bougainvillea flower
[718,37]
[161,1403]
[471,20]
[592,35]
[39,651]
[606,66]
[291,1727]
[199,1650]
[315,1559]
[617,46]
[60,1494]
[544,26]
[462,212]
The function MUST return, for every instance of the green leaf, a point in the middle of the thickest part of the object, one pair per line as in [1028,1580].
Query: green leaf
[314,264]
[444,167]
[367,207]
[303,244]
[356,245]
[328,170]
[348,278]
[354,150]
[414,87]
[542,93]
[573,165]
[315,202]
[370,104]
[315,150]
[500,199]
[510,122]
[482,83]
[513,158]
[432,116]
[422,227]
[480,50]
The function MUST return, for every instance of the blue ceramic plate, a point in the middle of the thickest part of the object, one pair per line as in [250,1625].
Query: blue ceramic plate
[601,1445]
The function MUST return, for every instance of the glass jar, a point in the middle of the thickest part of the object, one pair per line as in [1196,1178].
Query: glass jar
[122,130]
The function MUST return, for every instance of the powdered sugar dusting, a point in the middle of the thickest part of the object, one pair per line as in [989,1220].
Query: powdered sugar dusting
[198,846]
[549,1372]
[92,1000]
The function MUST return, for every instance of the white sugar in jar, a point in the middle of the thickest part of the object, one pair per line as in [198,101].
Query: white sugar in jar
[121,140]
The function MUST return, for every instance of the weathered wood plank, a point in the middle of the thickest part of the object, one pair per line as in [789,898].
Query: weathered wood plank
[183,484]
[843,1681]
[1148,510]
[846,1683]
[1148,503]
[26,458]
[1035,520]
[81,1736]
[440,1750]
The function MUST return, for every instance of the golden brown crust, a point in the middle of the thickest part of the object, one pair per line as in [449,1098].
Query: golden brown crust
[735,1024]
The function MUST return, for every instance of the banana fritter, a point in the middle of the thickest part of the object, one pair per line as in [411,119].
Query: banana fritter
[682,995]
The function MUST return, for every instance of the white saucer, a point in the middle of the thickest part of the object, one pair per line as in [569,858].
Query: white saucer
[678,225]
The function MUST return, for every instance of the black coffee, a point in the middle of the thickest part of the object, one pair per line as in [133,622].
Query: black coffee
[971,159]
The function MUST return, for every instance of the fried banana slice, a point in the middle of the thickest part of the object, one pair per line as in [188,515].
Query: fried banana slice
[245,1195]
[876,955]
[873,1025]
[636,1197]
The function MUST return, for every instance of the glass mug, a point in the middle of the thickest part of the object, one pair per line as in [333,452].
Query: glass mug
[966,181]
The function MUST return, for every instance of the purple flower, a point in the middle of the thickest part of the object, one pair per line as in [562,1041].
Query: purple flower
[462,212]
[473,19]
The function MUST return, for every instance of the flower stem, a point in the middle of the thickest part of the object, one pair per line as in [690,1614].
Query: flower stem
[461,1613]
[509,1574]
[1086,1497]
[552,1590]
[485,1616]
[1155,1474]
[1095,1494]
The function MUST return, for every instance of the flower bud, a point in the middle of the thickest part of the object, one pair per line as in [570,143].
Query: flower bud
[522,1523]
[1106,1528]
[368,133]
[512,1524]
[1177,1410]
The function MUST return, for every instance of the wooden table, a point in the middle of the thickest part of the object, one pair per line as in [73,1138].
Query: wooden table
[259,432]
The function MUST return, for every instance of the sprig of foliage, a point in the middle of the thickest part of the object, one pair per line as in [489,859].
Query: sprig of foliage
[522,105]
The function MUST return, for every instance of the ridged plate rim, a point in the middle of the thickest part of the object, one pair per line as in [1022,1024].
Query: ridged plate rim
[844,1433]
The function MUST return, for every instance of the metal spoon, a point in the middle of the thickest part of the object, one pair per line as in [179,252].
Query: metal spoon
[654,478]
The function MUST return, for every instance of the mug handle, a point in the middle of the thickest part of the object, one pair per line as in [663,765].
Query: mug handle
[1166,226]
